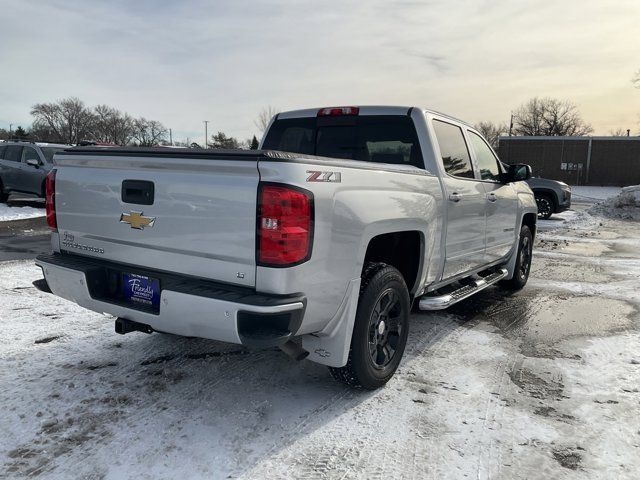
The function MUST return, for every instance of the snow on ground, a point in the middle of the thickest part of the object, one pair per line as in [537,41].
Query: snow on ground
[16,212]
[539,384]
[593,194]
[574,219]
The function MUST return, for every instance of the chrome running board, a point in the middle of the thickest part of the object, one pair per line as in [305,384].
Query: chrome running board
[440,302]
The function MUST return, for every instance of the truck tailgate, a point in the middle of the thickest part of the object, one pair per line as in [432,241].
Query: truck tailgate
[201,222]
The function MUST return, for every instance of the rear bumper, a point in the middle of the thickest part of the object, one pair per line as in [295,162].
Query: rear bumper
[188,306]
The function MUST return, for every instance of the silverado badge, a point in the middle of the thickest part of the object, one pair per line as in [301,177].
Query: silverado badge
[137,220]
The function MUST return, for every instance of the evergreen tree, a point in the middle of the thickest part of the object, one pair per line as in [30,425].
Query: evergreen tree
[220,140]
[254,143]
[20,133]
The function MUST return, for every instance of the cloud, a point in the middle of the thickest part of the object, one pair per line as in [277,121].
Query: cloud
[437,62]
[193,60]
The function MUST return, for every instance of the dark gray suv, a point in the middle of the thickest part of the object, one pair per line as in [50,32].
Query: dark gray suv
[552,196]
[24,166]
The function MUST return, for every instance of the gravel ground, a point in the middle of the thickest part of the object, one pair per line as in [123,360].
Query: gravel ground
[542,384]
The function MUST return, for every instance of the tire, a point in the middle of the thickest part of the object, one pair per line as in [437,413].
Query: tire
[546,205]
[380,329]
[523,261]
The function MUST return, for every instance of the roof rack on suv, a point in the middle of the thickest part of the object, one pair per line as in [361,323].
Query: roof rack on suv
[22,140]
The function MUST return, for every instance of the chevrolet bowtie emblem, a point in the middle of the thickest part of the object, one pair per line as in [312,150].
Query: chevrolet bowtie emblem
[137,220]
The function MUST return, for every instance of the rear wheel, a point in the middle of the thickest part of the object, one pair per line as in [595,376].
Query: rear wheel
[380,329]
[546,205]
[523,261]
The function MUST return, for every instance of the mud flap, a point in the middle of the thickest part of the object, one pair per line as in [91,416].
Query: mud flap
[331,346]
[511,263]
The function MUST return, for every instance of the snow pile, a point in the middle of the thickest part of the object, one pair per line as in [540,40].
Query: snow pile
[626,205]
[19,213]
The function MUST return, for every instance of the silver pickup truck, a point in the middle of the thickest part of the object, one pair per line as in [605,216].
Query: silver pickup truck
[319,243]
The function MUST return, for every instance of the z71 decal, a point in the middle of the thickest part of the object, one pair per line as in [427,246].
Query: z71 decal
[315,176]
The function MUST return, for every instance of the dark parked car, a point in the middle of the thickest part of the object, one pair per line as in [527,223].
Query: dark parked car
[24,166]
[551,196]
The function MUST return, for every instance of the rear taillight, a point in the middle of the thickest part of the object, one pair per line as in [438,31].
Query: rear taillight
[337,111]
[50,199]
[285,223]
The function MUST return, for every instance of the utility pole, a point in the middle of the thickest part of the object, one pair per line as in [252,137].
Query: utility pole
[170,137]
[511,124]
[10,126]
[206,137]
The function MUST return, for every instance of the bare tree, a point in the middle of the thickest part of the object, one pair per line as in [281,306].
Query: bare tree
[68,119]
[43,133]
[619,132]
[549,117]
[492,131]
[264,117]
[112,126]
[149,133]
[636,79]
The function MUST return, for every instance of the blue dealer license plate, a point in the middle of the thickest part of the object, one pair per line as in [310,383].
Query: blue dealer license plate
[142,290]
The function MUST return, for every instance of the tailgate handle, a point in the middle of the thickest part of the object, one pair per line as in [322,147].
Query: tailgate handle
[139,192]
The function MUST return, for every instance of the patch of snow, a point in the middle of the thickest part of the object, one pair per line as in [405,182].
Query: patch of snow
[593,194]
[573,219]
[8,213]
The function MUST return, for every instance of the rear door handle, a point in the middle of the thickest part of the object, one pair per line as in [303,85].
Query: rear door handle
[492,197]
[454,197]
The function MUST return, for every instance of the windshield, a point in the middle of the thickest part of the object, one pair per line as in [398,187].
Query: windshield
[371,138]
[50,151]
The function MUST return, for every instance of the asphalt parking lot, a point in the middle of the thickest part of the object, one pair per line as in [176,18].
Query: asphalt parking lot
[544,383]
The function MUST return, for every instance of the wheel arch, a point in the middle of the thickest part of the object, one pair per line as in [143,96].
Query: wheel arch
[549,193]
[403,250]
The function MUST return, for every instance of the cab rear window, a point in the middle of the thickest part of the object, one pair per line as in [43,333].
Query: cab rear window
[370,138]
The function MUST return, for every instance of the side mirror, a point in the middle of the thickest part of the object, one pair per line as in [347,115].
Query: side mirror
[518,173]
[33,162]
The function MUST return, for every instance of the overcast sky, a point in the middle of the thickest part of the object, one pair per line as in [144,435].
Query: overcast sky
[185,61]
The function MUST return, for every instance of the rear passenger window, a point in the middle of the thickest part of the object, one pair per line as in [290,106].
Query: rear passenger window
[29,153]
[13,153]
[453,148]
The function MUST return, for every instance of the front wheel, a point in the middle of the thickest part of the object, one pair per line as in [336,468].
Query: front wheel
[380,329]
[523,261]
[545,206]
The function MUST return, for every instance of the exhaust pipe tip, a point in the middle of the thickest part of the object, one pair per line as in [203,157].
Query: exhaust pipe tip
[294,350]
